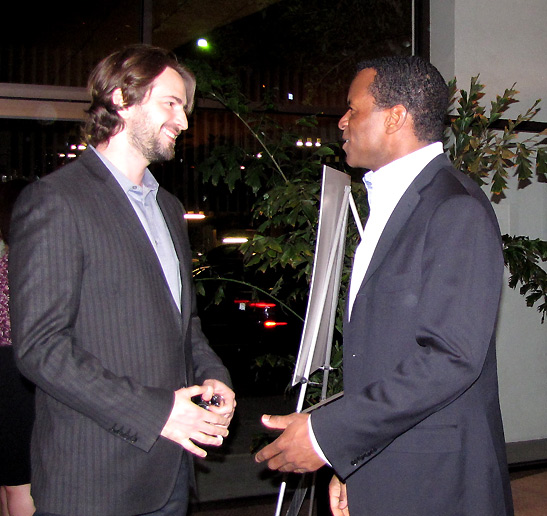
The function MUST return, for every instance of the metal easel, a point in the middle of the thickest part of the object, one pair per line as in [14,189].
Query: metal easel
[316,343]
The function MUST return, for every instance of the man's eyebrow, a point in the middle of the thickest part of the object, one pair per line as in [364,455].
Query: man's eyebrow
[178,100]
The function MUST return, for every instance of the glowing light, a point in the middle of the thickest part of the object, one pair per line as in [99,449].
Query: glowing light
[309,142]
[192,215]
[262,304]
[290,96]
[273,324]
[202,43]
[234,240]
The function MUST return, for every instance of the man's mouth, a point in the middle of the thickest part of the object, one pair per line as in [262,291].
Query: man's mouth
[170,134]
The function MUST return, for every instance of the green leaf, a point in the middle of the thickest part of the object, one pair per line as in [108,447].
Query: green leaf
[541,164]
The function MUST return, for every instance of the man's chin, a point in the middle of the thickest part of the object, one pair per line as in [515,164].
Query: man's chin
[162,155]
[350,162]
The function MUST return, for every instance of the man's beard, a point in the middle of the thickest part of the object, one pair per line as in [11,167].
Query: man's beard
[143,137]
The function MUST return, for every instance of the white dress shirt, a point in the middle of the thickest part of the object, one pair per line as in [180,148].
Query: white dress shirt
[385,188]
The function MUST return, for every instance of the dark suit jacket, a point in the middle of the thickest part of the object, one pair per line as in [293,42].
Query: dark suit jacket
[418,431]
[96,328]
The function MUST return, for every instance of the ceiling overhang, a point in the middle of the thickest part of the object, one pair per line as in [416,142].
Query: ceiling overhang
[176,22]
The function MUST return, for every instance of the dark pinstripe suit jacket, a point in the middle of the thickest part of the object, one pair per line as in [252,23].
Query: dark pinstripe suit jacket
[418,431]
[96,328]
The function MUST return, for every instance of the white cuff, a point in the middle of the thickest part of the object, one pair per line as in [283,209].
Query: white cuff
[315,444]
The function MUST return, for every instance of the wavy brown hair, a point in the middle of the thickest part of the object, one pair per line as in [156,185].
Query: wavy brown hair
[133,70]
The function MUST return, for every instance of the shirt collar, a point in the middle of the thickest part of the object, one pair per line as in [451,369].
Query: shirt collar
[149,183]
[404,170]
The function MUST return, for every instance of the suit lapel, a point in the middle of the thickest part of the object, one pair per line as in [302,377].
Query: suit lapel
[402,212]
[396,222]
[173,219]
[123,212]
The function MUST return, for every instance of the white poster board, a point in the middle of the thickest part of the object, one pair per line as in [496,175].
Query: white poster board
[315,344]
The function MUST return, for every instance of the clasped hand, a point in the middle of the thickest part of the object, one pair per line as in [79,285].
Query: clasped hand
[189,424]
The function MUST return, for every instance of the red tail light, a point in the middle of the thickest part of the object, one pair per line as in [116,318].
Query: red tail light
[262,304]
[273,324]
[256,304]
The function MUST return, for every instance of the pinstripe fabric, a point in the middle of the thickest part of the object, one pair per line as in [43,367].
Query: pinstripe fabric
[96,328]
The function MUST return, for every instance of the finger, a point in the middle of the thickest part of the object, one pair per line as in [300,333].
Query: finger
[334,496]
[267,453]
[206,439]
[220,389]
[275,422]
[196,390]
[208,417]
[188,445]
[215,430]
[343,503]
[279,463]
[223,410]
[334,507]
[208,393]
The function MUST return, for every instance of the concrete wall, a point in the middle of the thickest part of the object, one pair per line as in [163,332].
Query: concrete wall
[505,42]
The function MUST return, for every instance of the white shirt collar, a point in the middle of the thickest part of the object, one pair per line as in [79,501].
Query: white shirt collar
[397,175]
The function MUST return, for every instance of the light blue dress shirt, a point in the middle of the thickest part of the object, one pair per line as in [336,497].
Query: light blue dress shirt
[143,198]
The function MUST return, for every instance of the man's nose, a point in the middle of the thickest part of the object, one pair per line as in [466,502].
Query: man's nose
[181,120]
[343,122]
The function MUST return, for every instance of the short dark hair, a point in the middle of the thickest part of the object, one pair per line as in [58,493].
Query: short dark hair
[133,70]
[417,85]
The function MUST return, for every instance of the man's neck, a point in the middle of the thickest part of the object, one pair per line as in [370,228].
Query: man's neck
[124,157]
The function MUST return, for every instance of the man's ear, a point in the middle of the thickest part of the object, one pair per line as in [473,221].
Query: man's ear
[118,100]
[396,118]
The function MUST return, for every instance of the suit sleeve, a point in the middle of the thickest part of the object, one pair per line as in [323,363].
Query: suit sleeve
[461,273]
[45,272]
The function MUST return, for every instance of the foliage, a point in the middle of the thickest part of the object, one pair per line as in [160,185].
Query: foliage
[522,256]
[482,150]
[285,179]
[286,183]
[487,153]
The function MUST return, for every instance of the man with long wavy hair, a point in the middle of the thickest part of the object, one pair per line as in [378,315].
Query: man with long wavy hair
[103,308]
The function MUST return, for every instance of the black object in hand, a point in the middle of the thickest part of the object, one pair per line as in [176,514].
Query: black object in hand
[215,400]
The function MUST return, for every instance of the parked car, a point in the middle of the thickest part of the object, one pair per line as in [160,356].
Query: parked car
[256,338]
